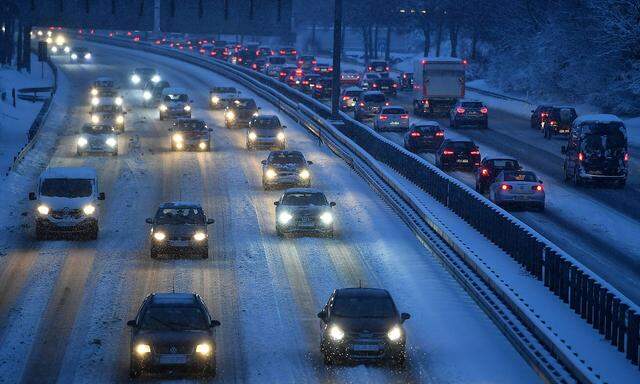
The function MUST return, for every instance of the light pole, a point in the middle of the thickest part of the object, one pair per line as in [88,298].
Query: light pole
[337,53]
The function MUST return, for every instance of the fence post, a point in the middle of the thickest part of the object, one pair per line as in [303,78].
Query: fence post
[607,316]
[574,292]
[596,305]
[622,326]
[615,321]
[632,337]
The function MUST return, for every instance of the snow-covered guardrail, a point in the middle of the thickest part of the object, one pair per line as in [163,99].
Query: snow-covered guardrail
[609,312]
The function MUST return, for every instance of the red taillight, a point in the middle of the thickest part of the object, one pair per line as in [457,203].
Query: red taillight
[283,74]
[415,134]
[305,82]
[254,66]
[157,41]
[291,78]
[405,116]
[553,122]
[362,104]
[460,110]
[440,134]
[484,110]
[319,86]
[387,103]
[213,53]
[506,187]
[464,61]
[110,34]
[369,68]
[543,114]
[330,69]
[294,52]
[314,62]
[128,33]
[395,85]
[316,69]
[474,152]
[282,51]
[386,69]
[538,188]
[447,152]
[201,50]
[345,98]
[626,157]
[485,172]
[384,117]
[375,85]
[580,156]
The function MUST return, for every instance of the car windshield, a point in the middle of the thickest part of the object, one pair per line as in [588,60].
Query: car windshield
[104,84]
[286,158]
[70,188]
[374,98]
[223,90]
[394,111]
[262,123]
[191,125]
[304,198]
[97,129]
[520,176]
[145,71]
[277,60]
[176,98]
[505,164]
[180,215]
[604,136]
[362,306]
[175,318]
[461,145]
[106,108]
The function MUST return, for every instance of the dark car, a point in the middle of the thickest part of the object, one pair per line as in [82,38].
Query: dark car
[219,53]
[378,66]
[259,64]
[597,151]
[173,331]
[469,112]
[304,210]
[557,121]
[350,77]
[240,112]
[288,168]
[362,325]
[285,70]
[80,55]
[323,88]
[308,83]
[323,69]
[385,85]
[288,53]
[369,105]
[458,154]
[349,98]
[141,76]
[427,136]
[490,168]
[265,131]
[306,61]
[179,228]
[294,77]
[405,81]
[539,115]
[190,134]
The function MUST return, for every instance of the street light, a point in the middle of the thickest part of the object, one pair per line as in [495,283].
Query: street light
[337,51]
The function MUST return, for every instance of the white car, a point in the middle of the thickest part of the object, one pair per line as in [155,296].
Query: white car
[517,188]
[391,118]
[97,138]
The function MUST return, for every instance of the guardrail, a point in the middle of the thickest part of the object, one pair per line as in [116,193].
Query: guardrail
[38,122]
[597,302]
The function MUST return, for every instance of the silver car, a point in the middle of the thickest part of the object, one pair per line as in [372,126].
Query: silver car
[392,118]
[286,168]
[518,188]
[304,210]
[97,139]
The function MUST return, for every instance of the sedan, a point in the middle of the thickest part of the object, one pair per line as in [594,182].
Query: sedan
[304,210]
[518,188]
[392,118]
[286,168]
[427,136]
[458,154]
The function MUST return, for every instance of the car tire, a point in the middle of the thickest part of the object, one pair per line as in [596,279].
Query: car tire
[485,125]
[41,233]
[93,233]
[621,184]
[565,171]
[577,180]
[249,147]
[134,371]
[279,232]
[114,153]
[398,362]
[328,359]
[204,254]
[541,207]
[153,253]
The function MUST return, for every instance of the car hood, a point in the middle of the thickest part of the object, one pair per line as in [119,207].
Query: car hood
[179,229]
[173,337]
[56,203]
[291,167]
[365,324]
[305,209]
[176,104]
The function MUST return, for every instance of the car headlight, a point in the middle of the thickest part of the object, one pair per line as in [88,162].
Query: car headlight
[395,333]
[202,145]
[271,173]
[95,101]
[82,142]
[187,108]
[199,236]
[74,56]
[49,41]
[230,115]
[60,40]
[326,218]
[95,119]
[163,107]
[67,49]
[120,119]
[215,99]
[255,114]
[87,56]
[155,78]
[159,236]
[178,138]
[304,174]
[111,142]
[89,209]
[54,49]
[135,79]
[118,101]
[284,218]
[203,349]
[146,95]
[43,209]
[143,349]
[336,333]
[280,136]
[94,92]
[252,136]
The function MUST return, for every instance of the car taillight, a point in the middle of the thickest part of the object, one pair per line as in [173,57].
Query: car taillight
[375,85]
[294,52]
[316,69]
[314,62]
[485,172]
[305,82]
[362,104]
[544,114]
[345,98]
[300,62]
[538,188]
[213,53]
[395,85]
[254,66]
[369,68]
[384,117]
[201,50]
[460,110]
[506,187]
[415,134]
[330,69]
[553,122]
[158,42]
[447,152]
[484,110]
[282,51]
[580,156]
[440,134]
[626,157]
[283,74]
[405,116]
[386,69]
[386,103]
[318,86]
[474,152]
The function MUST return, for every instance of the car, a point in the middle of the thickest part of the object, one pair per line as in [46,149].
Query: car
[386,85]
[597,151]
[175,103]
[259,65]
[324,70]
[190,133]
[179,227]
[469,112]
[557,121]
[367,80]
[391,118]
[266,131]
[539,115]
[517,188]
[143,75]
[378,66]
[285,71]
[362,325]
[308,83]
[306,62]
[172,331]
[323,88]
[350,77]
[240,112]
[288,168]
[219,97]
[104,87]
[273,66]
[265,51]
[108,111]
[67,202]
[219,53]
[294,77]
[457,154]
[97,139]
[425,136]
[369,105]
[289,53]
[80,55]
[405,80]
[489,169]
[304,210]
[152,94]
[349,97]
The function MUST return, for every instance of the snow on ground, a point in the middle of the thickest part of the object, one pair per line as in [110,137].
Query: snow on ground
[15,122]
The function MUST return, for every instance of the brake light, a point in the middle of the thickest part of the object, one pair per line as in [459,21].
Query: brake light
[213,53]
[543,114]
[415,134]
[553,122]
[626,157]
[330,69]
[440,134]
[580,156]
[128,33]
[291,78]
[299,72]
[447,152]
[386,69]
[314,62]
[460,110]
[305,82]
[395,85]
[345,98]
[506,187]
[319,86]
[384,117]
[294,52]
[485,172]
[369,68]
[464,61]
[405,116]
[283,74]
[201,50]
[282,51]
[484,110]
[254,66]
[386,103]
[362,103]
[258,52]
[538,188]
[474,152]
[240,59]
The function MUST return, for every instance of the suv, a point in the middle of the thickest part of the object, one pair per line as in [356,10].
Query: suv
[469,112]
[142,76]
[457,154]
[190,134]
[108,112]
[597,150]
[489,169]
[286,168]
[97,139]
[175,103]
[307,62]
[178,228]
[80,55]
[367,80]
[240,112]
[378,66]
[172,330]
[369,105]
[425,136]
[266,132]
[557,121]
[304,210]
[104,87]
[67,202]
[324,70]
[386,85]
[362,325]
[220,96]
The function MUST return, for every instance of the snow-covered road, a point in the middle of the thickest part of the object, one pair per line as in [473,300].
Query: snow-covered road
[64,304]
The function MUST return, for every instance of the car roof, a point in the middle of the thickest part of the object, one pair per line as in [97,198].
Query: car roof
[353,89]
[362,292]
[302,190]
[393,107]
[164,298]
[600,118]
[179,204]
[459,141]
[174,91]
[470,101]
[69,173]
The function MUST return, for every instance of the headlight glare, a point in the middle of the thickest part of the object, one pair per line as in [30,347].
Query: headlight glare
[178,138]
[215,99]
[271,173]
[187,108]
[89,209]
[94,92]
[111,142]
[43,210]
[146,95]
[143,349]
[202,146]
[284,218]
[155,78]
[120,119]
[395,333]
[74,56]
[326,218]
[336,333]
[67,49]
[135,79]
[54,49]
[199,236]
[163,107]
[95,101]
[255,114]
[95,119]
[252,136]
[203,349]
[159,236]
[87,56]
[304,174]
[280,136]
[230,115]
[118,101]
[82,142]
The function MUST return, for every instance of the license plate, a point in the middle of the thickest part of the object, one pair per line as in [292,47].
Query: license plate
[395,123]
[306,219]
[365,347]
[521,197]
[179,243]
[172,359]
[385,88]
[463,160]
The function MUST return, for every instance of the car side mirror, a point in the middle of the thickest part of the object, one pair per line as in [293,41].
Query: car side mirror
[310,162]
[540,181]
[149,220]
[101,196]
[405,316]
[214,323]
[563,149]
[32,195]
[322,315]
[170,129]
[284,127]
[332,204]
[132,323]
[124,113]
[259,108]
[276,203]
[210,221]
[263,162]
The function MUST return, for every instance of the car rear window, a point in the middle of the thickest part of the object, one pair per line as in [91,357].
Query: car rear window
[520,176]
[426,128]
[70,188]
[505,164]
[97,129]
[462,145]
[374,98]
[277,60]
[394,111]
[472,104]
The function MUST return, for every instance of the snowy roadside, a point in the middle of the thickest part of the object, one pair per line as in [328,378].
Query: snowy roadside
[15,122]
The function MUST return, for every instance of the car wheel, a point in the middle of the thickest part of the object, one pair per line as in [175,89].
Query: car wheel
[621,184]
[541,207]
[398,361]
[577,180]
[485,125]
[249,147]
[204,254]
[114,153]
[93,233]
[279,232]
[41,233]
[134,370]
[328,359]
[153,254]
